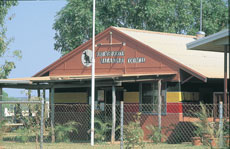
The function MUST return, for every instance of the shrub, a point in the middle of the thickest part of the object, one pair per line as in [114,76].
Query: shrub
[226,127]
[203,126]
[2,128]
[155,134]
[23,134]
[101,129]
[205,129]
[62,131]
[133,133]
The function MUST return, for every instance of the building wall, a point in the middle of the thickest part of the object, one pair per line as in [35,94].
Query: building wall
[79,97]
[131,94]
[172,118]
[176,95]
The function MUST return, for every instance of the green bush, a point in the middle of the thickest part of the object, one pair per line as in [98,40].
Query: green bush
[156,136]
[101,129]
[62,131]
[133,133]
[23,134]
[205,129]
[203,126]
[226,132]
[3,128]
[226,127]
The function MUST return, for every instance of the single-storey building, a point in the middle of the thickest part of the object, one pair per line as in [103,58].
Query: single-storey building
[133,61]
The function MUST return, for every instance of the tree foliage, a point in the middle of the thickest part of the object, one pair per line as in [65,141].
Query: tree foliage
[73,22]
[7,56]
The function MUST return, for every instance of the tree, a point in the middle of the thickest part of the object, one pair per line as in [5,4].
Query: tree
[7,56]
[73,23]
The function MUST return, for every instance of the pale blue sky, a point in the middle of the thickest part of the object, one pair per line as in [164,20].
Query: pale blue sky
[32,30]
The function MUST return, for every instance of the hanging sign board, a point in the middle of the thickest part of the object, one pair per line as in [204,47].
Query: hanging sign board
[101,95]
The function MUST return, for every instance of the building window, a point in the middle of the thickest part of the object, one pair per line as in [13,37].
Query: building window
[149,97]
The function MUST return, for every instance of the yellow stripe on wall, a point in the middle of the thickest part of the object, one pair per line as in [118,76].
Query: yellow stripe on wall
[80,97]
[173,97]
[182,96]
[131,97]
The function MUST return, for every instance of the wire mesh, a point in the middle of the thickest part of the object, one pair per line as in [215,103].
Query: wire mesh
[20,122]
[180,123]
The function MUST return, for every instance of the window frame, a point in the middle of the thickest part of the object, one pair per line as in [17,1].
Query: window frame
[163,95]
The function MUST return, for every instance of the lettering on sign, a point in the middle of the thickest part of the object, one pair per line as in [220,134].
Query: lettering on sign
[112,60]
[110,53]
[109,57]
[136,60]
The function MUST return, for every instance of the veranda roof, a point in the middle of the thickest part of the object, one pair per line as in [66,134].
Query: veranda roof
[213,43]
[77,81]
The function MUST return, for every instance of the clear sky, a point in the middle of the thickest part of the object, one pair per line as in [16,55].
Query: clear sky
[31,28]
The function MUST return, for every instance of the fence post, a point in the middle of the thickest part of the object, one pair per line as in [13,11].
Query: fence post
[52,114]
[214,106]
[225,80]
[159,104]
[221,124]
[42,118]
[1,113]
[122,118]
[113,114]
[44,97]
[44,110]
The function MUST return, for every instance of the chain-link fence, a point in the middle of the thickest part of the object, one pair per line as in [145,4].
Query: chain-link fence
[181,124]
[21,121]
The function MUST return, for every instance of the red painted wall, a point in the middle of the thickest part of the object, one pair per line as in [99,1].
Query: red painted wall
[175,107]
[154,64]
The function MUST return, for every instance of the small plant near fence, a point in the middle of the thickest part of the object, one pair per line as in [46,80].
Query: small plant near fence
[133,133]
[3,128]
[23,134]
[101,129]
[155,135]
[208,131]
[62,131]
[226,132]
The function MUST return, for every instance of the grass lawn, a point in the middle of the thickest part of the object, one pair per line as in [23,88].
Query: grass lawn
[16,145]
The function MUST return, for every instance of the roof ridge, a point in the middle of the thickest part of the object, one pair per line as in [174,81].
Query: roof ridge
[153,32]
